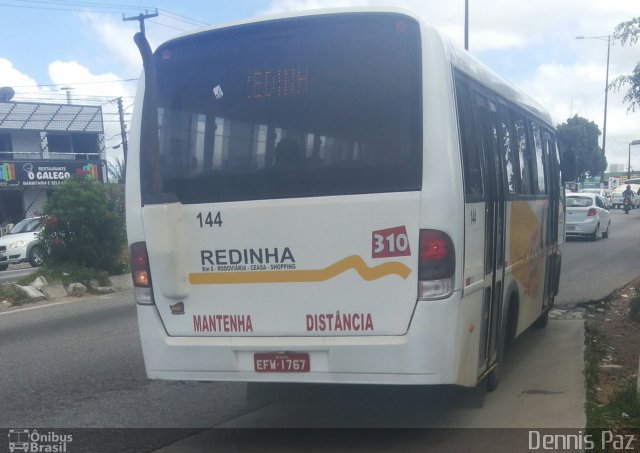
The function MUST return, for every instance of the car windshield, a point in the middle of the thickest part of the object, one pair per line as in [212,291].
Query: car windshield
[579,202]
[26,226]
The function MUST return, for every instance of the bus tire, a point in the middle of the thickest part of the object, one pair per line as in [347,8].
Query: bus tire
[492,380]
[542,321]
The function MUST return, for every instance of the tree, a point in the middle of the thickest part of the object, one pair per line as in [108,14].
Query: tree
[578,139]
[117,170]
[84,225]
[629,32]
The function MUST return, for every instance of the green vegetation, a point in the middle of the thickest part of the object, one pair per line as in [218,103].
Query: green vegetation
[66,274]
[14,294]
[622,410]
[629,32]
[595,349]
[578,138]
[634,308]
[84,227]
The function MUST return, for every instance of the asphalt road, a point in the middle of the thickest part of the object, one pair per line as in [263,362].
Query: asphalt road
[15,272]
[79,364]
[592,270]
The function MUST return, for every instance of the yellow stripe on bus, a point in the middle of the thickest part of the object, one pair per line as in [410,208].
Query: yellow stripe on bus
[303,276]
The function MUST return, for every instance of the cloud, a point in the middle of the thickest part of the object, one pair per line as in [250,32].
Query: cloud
[12,77]
[498,24]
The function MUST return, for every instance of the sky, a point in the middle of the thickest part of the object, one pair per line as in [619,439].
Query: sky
[86,47]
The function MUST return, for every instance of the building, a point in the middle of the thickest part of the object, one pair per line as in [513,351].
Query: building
[40,146]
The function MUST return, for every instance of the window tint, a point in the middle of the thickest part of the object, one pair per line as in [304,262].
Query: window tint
[508,152]
[468,144]
[303,107]
[579,202]
[6,147]
[553,159]
[539,159]
[524,157]
[599,202]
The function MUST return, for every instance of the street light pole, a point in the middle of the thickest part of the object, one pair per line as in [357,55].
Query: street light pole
[606,92]
[633,143]
[466,24]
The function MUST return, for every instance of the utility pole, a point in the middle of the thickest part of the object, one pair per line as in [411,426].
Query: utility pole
[141,18]
[123,131]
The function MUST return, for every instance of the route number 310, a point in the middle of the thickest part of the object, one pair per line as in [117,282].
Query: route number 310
[390,242]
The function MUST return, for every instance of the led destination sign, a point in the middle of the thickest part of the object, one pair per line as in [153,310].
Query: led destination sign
[276,83]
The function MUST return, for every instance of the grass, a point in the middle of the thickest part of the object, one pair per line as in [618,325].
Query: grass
[634,308]
[595,347]
[622,410]
[13,294]
[66,275]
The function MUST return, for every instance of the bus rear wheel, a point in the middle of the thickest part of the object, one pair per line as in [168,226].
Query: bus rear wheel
[492,380]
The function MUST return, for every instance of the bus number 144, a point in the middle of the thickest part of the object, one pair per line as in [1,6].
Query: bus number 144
[210,220]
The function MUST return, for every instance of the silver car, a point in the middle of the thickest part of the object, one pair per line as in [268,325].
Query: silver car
[587,216]
[21,244]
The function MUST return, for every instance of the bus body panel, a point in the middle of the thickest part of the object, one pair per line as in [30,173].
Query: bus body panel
[418,357]
[286,267]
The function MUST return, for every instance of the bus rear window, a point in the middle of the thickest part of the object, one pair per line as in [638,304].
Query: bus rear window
[315,106]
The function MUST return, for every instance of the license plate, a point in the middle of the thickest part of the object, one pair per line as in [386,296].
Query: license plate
[571,227]
[281,362]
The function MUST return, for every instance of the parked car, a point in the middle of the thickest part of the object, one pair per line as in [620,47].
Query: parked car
[587,216]
[21,244]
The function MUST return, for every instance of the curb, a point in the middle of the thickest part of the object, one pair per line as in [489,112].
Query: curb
[50,293]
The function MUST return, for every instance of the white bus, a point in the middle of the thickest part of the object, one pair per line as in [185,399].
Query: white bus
[336,196]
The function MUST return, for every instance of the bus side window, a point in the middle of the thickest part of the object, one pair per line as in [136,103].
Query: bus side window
[524,156]
[539,159]
[552,159]
[508,148]
[470,152]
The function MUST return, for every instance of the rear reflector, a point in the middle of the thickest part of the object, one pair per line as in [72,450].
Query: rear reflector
[141,273]
[437,265]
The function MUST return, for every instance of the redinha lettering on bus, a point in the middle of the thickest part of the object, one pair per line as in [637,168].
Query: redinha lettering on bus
[339,322]
[242,260]
[222,323]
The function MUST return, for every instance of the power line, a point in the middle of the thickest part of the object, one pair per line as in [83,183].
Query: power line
[132,79]
[110,8]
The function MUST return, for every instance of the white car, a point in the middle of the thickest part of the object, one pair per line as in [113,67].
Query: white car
[21,244]
[587,216]
[604,193]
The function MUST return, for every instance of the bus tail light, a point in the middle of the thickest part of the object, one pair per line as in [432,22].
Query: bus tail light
[141,273]
[592,212]
[436,266]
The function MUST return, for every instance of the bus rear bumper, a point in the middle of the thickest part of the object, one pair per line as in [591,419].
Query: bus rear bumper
[421,356]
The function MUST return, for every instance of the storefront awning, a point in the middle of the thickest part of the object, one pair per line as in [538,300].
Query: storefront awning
[50,117]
